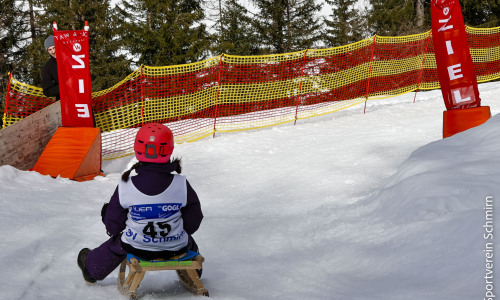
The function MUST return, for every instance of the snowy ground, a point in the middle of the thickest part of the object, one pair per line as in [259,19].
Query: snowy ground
[347,206]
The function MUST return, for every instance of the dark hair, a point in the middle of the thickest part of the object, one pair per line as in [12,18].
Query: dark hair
[126,174]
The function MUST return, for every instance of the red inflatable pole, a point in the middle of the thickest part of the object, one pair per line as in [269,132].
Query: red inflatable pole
[455,69]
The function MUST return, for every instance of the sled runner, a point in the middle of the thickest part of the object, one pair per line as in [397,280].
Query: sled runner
[185,265]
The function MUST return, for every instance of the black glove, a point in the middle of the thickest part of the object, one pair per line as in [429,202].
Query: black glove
[103,210]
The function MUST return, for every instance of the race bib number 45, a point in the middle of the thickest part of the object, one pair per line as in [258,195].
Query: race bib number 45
[155,232]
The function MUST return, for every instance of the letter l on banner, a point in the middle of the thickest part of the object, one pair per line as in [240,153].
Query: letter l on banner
[454,63]
[72,51]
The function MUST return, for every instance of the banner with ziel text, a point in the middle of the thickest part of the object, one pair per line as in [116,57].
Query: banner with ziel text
[72,50]
[454,63]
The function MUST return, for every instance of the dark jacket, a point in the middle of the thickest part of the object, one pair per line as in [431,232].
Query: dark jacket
[50,78]
[153,179]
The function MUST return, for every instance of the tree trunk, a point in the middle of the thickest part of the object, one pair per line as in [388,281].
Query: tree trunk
[420,13]
[220,18]
[32,20]
[75,17]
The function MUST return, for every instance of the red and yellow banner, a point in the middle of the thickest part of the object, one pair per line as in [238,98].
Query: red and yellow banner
[72,49]
[454,63]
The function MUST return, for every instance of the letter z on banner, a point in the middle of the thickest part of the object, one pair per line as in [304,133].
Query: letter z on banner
[454,63]
[72,50]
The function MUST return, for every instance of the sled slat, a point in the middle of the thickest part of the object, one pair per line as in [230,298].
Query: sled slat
[186,272]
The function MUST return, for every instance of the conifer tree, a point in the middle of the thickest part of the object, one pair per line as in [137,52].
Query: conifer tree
[480,13]
[476,13]
[287,25]
[160,33]
[494,21]
[270,25]
[13,27]
[398,17]
[233,30]
[403,17]
[107,64]
[345,25]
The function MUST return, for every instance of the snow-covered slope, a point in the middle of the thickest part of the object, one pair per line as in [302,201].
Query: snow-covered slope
[348,206]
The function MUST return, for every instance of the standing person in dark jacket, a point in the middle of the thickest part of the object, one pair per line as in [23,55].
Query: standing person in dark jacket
[50,78]
[152,214]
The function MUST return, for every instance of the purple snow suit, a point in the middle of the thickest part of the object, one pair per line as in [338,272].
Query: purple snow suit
[151,179]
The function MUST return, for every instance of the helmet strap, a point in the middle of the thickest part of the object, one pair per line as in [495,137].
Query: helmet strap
[146,153]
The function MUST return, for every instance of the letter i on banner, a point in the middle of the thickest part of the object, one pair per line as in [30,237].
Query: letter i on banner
[454,62]
[72,48]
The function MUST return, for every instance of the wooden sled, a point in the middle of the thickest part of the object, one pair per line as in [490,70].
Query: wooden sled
[186,272]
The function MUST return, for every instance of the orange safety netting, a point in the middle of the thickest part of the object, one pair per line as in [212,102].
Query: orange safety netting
[233,93]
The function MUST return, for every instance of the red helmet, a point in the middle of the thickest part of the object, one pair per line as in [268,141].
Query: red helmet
[154,142]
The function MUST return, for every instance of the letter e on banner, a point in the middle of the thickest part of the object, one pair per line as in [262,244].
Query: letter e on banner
[83,110]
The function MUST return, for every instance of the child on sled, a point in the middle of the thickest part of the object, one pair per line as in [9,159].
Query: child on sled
[152,214]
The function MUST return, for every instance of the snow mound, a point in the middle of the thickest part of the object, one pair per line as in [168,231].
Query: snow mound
[446,176]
